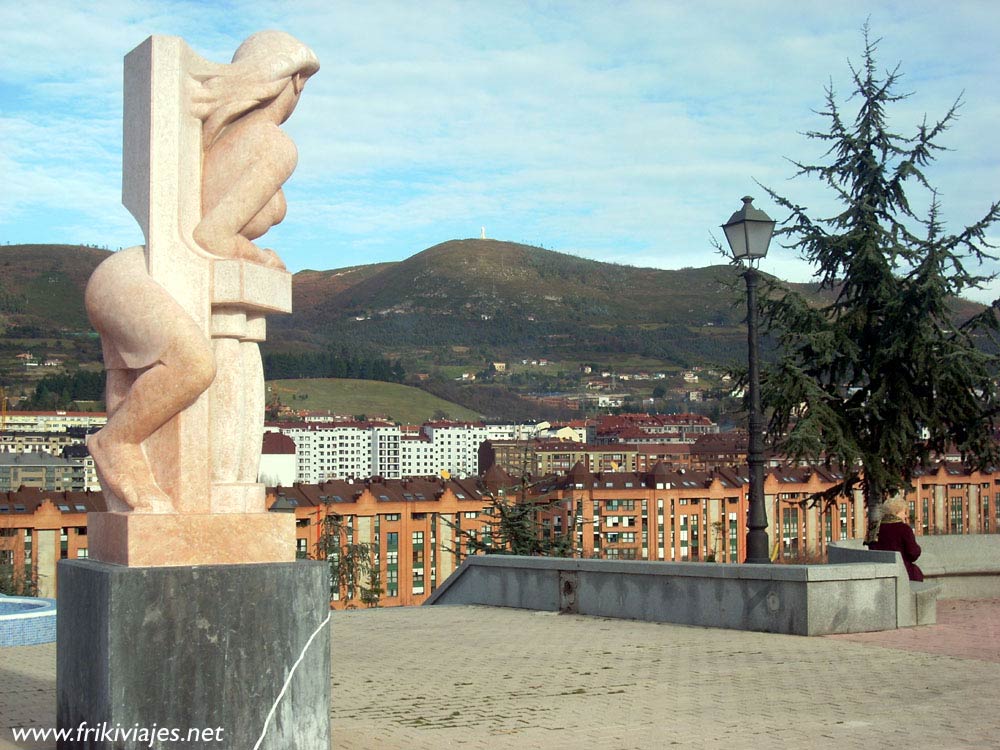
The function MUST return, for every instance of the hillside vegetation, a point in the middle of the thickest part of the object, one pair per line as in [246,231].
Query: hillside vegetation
[506,300]
[42,285]
[369,397]
[462,303]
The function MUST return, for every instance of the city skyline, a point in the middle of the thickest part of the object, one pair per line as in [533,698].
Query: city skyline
[624,133]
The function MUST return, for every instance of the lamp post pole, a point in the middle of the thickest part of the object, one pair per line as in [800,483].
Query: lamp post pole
[757,542]
[748,232]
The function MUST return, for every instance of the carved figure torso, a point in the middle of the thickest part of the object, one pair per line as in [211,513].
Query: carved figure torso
[254,152]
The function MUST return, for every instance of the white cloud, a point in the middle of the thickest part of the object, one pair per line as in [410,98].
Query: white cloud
[630,129]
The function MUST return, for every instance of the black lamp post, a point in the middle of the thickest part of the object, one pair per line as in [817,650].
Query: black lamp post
[748,232]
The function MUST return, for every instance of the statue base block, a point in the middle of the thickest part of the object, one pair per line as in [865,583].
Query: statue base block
[192,649]
[162,539]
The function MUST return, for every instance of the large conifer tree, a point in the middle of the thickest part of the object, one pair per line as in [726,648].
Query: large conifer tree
[882,377]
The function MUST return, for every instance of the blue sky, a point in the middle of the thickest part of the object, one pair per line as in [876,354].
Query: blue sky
[619,131]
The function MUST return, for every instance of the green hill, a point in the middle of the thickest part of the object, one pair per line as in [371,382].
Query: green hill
[508,301]
[42,285]
[369,397]
[461,303]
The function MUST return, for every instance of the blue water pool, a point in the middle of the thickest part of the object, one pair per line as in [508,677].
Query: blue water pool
[26,620]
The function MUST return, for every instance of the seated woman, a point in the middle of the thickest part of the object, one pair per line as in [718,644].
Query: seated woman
[895,535]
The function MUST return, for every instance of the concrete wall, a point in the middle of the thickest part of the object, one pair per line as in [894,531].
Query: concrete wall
[967,566]
[792,599]
[913,607]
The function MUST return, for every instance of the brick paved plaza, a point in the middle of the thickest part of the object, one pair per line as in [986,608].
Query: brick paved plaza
[477,677]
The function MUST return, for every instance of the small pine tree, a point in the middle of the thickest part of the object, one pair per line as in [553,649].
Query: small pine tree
[514,529]
[18,582]
[882,377]
[354,570]
[514,526]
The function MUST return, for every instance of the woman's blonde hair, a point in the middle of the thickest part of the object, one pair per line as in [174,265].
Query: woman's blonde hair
[895,506]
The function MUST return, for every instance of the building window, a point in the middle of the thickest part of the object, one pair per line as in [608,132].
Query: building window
[392,582]
[790,531]
[956,518]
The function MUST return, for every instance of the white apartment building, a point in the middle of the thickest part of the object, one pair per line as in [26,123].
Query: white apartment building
[386,451]
[456,446]
[509,431]
[331,450]
[52,421]
[417,457]
[340,450]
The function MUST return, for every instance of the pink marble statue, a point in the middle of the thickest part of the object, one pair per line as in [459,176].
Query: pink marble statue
[180,317]
[247,156]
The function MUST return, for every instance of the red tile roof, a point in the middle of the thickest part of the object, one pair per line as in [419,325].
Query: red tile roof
[277,444]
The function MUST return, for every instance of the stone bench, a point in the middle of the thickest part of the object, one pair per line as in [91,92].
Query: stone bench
[916,601]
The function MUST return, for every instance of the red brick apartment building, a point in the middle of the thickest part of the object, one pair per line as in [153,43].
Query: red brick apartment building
[653,428]
[40,527]
[542,456]
[417,526]
[701,515]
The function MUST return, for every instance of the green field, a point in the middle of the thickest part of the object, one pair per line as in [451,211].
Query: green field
[372,398]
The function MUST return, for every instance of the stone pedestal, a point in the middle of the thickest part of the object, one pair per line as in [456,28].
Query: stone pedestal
[237,648]
[179,539]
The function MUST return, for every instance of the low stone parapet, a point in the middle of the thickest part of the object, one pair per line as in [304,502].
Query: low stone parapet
[791,599]
[964,566]
[916,603]
[967,566]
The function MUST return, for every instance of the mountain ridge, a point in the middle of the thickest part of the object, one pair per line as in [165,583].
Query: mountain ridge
[457,302]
